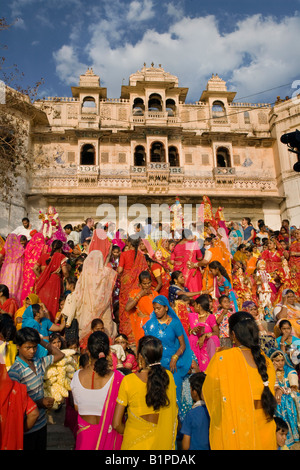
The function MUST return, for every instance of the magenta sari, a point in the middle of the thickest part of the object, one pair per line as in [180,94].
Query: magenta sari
[102,436]
[182,253]
[11,273]
[33,251]
[205,353]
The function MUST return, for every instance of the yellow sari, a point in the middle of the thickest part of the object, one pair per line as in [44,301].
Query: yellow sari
[140,434]
[34,299]
[229,390]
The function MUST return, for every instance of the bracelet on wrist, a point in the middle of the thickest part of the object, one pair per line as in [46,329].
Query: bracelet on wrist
[175,357]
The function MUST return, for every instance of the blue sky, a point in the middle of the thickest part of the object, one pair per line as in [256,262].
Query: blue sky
[253,45]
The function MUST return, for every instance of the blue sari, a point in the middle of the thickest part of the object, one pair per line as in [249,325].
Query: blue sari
[29,321]
[169,334]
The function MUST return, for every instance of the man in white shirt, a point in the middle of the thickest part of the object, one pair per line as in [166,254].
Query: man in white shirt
[24,229]
[71,234]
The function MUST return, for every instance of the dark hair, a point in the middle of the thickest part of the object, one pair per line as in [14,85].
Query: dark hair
[27,334]
[116,247]
[35,309]
[96,322]
[83,359]
[25,218]
[222,297]
[4,290]
[151,349]
[98,342]
[218,265]
[71,280]
[203,301]
[56,335]
[134,240]
[196,382]
[7,327]
[282,322]
[247,333]
[68,226]
[71,244]
[281,424]
[56,245]
[128,349]
[174,276]
[144,275]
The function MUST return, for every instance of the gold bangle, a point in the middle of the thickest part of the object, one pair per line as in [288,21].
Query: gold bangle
[175,357]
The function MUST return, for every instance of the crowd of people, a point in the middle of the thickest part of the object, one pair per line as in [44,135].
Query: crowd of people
[168,339]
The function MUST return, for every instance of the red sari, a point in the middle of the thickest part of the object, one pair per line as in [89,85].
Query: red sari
[49,286]
[132,267]
[10,306]
[156,271]
[14,405]
[294,261]
[273,260]
[181,255]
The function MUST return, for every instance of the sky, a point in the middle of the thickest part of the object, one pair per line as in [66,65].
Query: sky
[252,45]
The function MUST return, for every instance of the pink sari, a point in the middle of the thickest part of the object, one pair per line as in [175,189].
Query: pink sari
[205,353]
[101,436]
[182,253]
[33,251]
[11,273]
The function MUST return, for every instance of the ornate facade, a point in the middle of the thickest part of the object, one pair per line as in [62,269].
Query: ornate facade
[150,145]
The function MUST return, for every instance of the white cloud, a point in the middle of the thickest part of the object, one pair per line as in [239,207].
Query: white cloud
[140,10]
[259,54]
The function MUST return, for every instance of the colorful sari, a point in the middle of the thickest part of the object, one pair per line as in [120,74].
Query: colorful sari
[169,334]
[273,260]
[229,390]
[181,255]
[33,251]
[294,261]
[157,270]
[140,434]
[34,299]
[11,273]
[132,267]
[101,436]
[93,295]
[14,405]
[207,350]
[48,285]
[100,242]
[141,313]
[10,306]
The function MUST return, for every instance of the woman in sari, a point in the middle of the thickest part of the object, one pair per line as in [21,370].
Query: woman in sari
[29,300]
[272,256]
[150,398]
[92,297]
[34,249]
[287,395]
[49,284]
[166,247]
[289,309]
[177,354]
[132,263]
[160,278]
[294,258]
[235,237]
[139,305]
[11,273]
[7,304]
[95,389]
[222,284]
[17,410]
[239,391]
[185,258]
[204,332]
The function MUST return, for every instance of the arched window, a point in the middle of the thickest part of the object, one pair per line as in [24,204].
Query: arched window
[87,155]
[173,156]
[157,152]
[170,107]
[139,156]
[155,102]
[89,102]
[223,157]
[218,109]
[138,107]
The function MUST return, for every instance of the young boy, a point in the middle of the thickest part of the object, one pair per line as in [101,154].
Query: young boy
[30,371]
[195,427]
[282,430]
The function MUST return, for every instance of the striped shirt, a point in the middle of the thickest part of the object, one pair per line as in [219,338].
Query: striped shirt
[22,373]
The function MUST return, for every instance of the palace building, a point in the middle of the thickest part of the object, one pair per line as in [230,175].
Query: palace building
[150,145]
